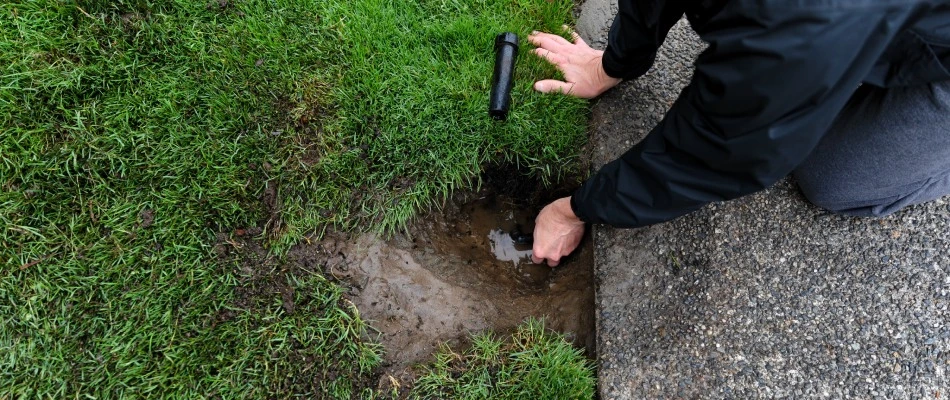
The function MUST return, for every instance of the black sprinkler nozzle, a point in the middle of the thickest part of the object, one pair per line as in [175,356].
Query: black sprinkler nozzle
[521,238]
[506,50]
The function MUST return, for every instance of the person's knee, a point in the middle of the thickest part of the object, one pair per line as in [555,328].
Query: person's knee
[824,200]
[873,163]
[849,208]
[816,188]
[835,194]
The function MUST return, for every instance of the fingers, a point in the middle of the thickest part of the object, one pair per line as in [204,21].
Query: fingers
[544,39]
[553,86]
[578,40]
[538,255]
[554,48]
[557,230]
[547,40]
[552,262]
[546,54]
[575,37]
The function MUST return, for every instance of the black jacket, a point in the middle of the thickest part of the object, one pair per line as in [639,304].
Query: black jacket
[764,92]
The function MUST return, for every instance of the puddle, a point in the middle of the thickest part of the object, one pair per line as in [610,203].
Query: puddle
[484,231]
[504,247]
[460,270]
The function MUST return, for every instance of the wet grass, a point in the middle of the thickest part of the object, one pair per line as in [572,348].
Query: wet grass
[136,137]
[530,364]
[409,110]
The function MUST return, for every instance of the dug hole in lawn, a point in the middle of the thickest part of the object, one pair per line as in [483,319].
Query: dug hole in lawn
[460,270]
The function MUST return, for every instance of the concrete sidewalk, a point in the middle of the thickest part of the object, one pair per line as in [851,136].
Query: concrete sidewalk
[764,296]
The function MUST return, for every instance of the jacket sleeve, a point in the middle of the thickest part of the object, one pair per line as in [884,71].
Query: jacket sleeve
[762,95]
[638,30]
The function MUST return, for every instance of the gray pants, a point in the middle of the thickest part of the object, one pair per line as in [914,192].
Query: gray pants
[889,148]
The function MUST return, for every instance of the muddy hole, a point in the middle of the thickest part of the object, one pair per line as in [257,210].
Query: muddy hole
[462,269]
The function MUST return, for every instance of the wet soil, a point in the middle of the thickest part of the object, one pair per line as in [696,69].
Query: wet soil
[459,270]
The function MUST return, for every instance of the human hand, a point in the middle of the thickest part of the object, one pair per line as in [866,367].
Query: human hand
[557,232]
[582,66]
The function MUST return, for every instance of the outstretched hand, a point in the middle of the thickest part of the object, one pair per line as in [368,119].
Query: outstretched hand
[582,66]
[557,232]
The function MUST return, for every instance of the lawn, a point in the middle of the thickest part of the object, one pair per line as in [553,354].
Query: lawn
[139,137]
[531,364]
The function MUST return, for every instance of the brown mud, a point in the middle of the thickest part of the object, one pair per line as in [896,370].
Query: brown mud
[458,271]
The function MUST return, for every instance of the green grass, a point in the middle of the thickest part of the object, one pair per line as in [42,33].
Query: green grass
[531,364]
[409,109]
[135,135]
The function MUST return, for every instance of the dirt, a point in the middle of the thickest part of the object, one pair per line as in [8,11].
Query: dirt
[460,269]
[457,271]
[148,218]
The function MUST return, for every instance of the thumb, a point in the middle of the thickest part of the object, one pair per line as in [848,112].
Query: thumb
[553,86]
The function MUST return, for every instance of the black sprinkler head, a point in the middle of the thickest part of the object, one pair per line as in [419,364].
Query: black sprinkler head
[506,51]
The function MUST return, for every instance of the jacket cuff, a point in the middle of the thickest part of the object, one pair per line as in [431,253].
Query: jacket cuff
[612,67]
[622,69]
[576,209]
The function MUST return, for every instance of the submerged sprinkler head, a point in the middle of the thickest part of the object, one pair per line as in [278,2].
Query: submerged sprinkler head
[506,50]
[521,238]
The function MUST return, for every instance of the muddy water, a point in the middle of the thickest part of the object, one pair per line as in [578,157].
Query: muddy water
[483,235]
[460,270]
